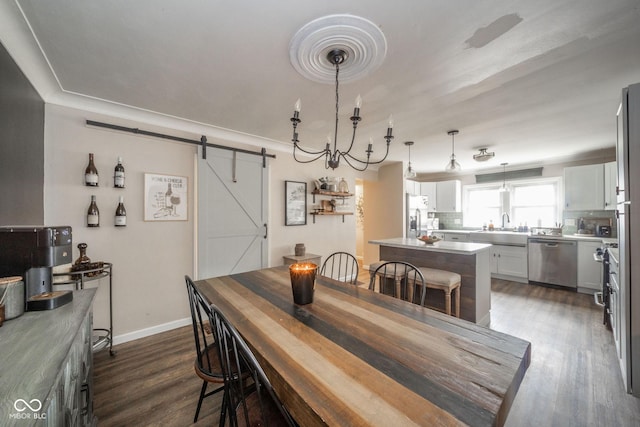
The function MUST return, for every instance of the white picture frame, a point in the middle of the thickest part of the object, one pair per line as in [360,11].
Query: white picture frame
[165,197]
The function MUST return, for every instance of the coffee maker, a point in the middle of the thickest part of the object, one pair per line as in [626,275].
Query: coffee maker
[32,252]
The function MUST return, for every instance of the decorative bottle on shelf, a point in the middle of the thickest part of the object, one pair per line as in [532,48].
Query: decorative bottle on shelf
[93,214]
[490,225]
[343,187]
[83,258]
[91,173]
[118,175]
[121,214]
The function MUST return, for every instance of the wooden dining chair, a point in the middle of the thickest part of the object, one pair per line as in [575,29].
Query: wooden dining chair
[207,364]
[249,398]
[399,279]
[341,266]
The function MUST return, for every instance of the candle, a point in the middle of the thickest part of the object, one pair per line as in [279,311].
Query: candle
[303,279]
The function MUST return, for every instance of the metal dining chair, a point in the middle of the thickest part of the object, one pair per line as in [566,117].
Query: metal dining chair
[207,364]
[341,266]
[249,398]
[400,280]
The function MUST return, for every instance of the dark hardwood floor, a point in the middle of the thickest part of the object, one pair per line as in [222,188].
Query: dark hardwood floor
[573,379]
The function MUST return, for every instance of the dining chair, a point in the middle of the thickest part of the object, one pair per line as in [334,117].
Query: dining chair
[341,266]
[207,364]
[249,398]
[399,279]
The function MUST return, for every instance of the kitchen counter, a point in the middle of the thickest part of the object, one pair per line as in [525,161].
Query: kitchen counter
[470,260]
[46,360]
[463,248]
[577,237]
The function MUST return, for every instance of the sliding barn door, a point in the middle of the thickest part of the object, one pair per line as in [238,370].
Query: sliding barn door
[232,213]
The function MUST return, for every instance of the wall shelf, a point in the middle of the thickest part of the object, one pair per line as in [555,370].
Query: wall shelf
[332,194]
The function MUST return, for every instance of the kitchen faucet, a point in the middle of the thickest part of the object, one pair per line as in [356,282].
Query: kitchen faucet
[508,220]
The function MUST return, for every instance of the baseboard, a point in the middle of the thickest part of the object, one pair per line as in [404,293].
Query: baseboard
[142,333]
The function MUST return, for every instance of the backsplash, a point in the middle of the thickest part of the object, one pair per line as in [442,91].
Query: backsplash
[449,220]
[571,221]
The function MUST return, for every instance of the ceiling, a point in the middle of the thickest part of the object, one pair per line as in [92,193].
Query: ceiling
[530,80]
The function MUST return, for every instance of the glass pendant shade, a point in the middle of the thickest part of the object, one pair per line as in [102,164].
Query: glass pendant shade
[410,172]
[453,164]
[504,178]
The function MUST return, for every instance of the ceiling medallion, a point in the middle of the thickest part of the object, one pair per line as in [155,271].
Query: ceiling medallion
[362,41]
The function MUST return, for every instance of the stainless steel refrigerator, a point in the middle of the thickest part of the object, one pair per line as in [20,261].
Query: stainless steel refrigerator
[419,220]
[628,214]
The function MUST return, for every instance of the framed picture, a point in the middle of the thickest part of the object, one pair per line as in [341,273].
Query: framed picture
[295,199]
[165,197]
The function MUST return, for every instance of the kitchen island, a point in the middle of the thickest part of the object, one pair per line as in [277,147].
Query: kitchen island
[470,260]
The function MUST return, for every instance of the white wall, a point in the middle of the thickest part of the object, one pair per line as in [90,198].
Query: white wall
[150,259]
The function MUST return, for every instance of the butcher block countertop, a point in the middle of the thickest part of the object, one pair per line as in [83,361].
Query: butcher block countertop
[462,248]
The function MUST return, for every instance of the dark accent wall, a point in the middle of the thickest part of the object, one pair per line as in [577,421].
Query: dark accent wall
[21,147]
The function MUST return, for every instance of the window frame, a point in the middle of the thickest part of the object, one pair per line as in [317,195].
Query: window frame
[506,199]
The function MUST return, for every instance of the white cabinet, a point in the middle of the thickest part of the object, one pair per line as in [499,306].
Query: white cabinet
[412,187]
[449,196]
[610,184]
[509,261]
[429,190]
[589,271]
[584,187]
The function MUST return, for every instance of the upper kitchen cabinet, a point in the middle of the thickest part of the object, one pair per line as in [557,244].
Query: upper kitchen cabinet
[449,196]
[429,190]
[610,184]
[412,187]
[584,187]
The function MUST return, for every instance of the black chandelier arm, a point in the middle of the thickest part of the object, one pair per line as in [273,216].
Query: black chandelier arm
[346,157]
[319,155]
[311,153]
[368,161]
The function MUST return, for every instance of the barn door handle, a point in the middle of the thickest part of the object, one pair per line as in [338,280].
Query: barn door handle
[266,230]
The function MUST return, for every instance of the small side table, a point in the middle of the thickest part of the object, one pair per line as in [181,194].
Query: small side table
[292,259]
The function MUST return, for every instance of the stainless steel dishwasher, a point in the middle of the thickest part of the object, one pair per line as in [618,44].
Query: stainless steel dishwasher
[553,261]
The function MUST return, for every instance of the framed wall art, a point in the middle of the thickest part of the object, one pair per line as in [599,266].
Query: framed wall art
[165,197]
[295,209]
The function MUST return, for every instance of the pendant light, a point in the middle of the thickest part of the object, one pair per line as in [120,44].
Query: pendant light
[410,172]
[504,177]
[453,165]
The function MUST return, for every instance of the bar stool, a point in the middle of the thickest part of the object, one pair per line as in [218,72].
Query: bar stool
[445,281]
[405,279]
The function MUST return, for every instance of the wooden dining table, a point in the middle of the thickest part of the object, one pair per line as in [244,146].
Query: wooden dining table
[356,357]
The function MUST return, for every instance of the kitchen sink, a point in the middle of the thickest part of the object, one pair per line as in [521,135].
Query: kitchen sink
[499,237]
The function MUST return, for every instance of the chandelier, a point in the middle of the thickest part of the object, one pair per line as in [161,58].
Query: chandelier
[332,154]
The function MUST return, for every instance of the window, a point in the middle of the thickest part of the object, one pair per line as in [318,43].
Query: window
[528,202]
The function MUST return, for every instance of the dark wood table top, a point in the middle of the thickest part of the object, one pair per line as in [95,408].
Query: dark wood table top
[355,357]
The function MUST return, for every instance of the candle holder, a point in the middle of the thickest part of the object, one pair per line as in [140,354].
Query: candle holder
[303,280]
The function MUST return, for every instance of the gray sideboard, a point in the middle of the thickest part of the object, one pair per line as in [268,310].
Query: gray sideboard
[46,366]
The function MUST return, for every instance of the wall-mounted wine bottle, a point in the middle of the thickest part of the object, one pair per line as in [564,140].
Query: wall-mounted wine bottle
[93,214]
[118,175]
[91,173]
[121,214]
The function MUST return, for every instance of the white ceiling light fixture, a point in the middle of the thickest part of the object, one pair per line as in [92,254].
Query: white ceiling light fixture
[410,172]
[453,164]
[483,155]
[504,177]
[318,51]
